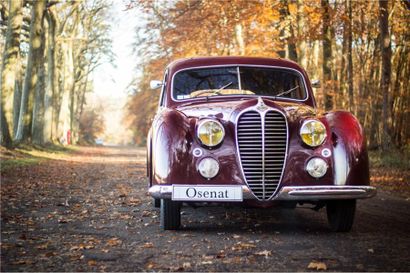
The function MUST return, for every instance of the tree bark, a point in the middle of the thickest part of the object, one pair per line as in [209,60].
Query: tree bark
[385,48]
[35,61]
[327,57]
[350,58]
[50,91]
[11,63]
[301,44]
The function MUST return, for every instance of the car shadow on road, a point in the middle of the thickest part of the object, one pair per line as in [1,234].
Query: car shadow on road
[267,221]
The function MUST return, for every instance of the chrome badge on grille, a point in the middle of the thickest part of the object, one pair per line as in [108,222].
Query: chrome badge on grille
[261,106]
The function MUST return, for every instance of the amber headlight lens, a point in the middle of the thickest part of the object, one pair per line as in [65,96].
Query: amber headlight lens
[210,132]
[313,132]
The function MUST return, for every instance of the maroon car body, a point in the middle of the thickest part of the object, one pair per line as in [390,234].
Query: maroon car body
[174,150]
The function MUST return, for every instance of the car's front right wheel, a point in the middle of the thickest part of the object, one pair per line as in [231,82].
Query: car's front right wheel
[170,214]
[340,214]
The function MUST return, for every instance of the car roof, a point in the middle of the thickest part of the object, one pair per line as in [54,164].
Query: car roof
[187,63]
[230,60]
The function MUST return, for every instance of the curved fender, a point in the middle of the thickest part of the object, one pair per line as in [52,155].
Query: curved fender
[351,163]
[149,158]
[170,144]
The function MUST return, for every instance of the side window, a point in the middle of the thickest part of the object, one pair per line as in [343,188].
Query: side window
[163,90]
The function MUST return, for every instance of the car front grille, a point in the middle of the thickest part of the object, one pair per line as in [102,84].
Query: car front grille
[262,140]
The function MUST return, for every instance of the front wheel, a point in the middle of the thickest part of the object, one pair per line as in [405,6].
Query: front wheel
[170,214]
[156,202]
[340,214]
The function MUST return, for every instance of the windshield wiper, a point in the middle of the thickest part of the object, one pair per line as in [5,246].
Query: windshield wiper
[212,91]
[287,91]
[225,86]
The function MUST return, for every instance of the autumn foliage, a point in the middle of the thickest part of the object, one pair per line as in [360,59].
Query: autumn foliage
[338,42]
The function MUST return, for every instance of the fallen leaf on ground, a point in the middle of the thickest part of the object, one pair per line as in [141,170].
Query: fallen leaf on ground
[265,253]
[317,265]
[148,245]
[113,242]
[146,213]
[240,246]
[92,263]
[150,265]
[42,246]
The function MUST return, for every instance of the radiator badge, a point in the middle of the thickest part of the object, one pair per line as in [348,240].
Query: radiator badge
[261,106]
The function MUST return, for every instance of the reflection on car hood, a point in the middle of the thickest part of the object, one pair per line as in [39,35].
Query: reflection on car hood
[224,110]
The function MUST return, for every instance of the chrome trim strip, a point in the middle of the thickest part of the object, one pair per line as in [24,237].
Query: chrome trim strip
[292,193]
[262,114]
[314,193]
[241,96]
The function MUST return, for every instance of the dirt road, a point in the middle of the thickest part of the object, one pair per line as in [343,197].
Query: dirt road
[89,212]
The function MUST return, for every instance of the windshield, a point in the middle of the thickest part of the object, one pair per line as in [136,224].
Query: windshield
[242,80]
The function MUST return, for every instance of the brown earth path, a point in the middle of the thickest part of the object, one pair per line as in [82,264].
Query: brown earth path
[89,212]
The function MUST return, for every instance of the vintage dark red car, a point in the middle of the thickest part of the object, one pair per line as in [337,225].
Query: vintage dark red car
[247,130]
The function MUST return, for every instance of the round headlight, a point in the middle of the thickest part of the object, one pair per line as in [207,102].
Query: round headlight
[316,167]
[313,132]
[210,132]
[208,167]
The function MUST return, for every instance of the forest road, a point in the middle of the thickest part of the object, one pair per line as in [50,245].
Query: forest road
[89,211]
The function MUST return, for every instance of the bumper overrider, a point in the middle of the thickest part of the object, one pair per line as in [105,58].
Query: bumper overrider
[288,193]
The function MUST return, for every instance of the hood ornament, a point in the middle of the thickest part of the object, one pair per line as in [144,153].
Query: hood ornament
[261,106]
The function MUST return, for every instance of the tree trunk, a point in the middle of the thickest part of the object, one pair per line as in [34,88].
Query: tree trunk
[50,91]
[301,44]
[11,63]
[327,57]
[37,129]
[35,61]
[5,138]
[385,48]
[239,38]
[350,59]
[68,72]
[287,33]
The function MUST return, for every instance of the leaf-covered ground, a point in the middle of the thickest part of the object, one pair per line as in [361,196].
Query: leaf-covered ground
[88,211]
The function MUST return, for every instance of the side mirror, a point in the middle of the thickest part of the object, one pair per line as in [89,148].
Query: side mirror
[316,83]
[154,84]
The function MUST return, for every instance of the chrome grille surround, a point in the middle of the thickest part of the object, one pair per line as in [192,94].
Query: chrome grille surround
[262,149]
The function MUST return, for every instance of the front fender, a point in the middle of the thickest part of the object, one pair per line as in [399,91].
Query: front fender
[351,163]
[171,140]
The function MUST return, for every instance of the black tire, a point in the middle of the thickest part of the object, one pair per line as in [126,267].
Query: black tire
[170,214]
[156,202]
[340,214]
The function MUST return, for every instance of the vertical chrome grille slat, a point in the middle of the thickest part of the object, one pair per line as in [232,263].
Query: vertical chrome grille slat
[262,146]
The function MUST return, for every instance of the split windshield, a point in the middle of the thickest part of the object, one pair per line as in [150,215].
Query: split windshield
[242,80]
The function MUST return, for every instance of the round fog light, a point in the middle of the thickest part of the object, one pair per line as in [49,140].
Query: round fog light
[208,167]
[316,167]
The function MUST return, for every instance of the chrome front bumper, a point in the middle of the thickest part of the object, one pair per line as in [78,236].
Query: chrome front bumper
[295,193]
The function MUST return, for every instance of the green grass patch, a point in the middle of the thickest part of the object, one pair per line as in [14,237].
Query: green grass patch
[25,155]
[20,162]
[392,159]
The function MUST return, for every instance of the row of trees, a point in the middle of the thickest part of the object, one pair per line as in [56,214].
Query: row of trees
[50,49]
[356,48]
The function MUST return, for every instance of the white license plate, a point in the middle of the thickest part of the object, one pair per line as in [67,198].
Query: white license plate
[207,193]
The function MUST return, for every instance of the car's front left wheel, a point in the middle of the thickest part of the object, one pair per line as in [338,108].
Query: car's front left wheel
[156,202]
[340,214]
[170,214]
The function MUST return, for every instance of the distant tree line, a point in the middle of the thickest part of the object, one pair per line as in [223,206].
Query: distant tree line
[358,49]
[50,48]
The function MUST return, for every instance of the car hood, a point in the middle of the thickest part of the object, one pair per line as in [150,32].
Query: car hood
[227,110]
